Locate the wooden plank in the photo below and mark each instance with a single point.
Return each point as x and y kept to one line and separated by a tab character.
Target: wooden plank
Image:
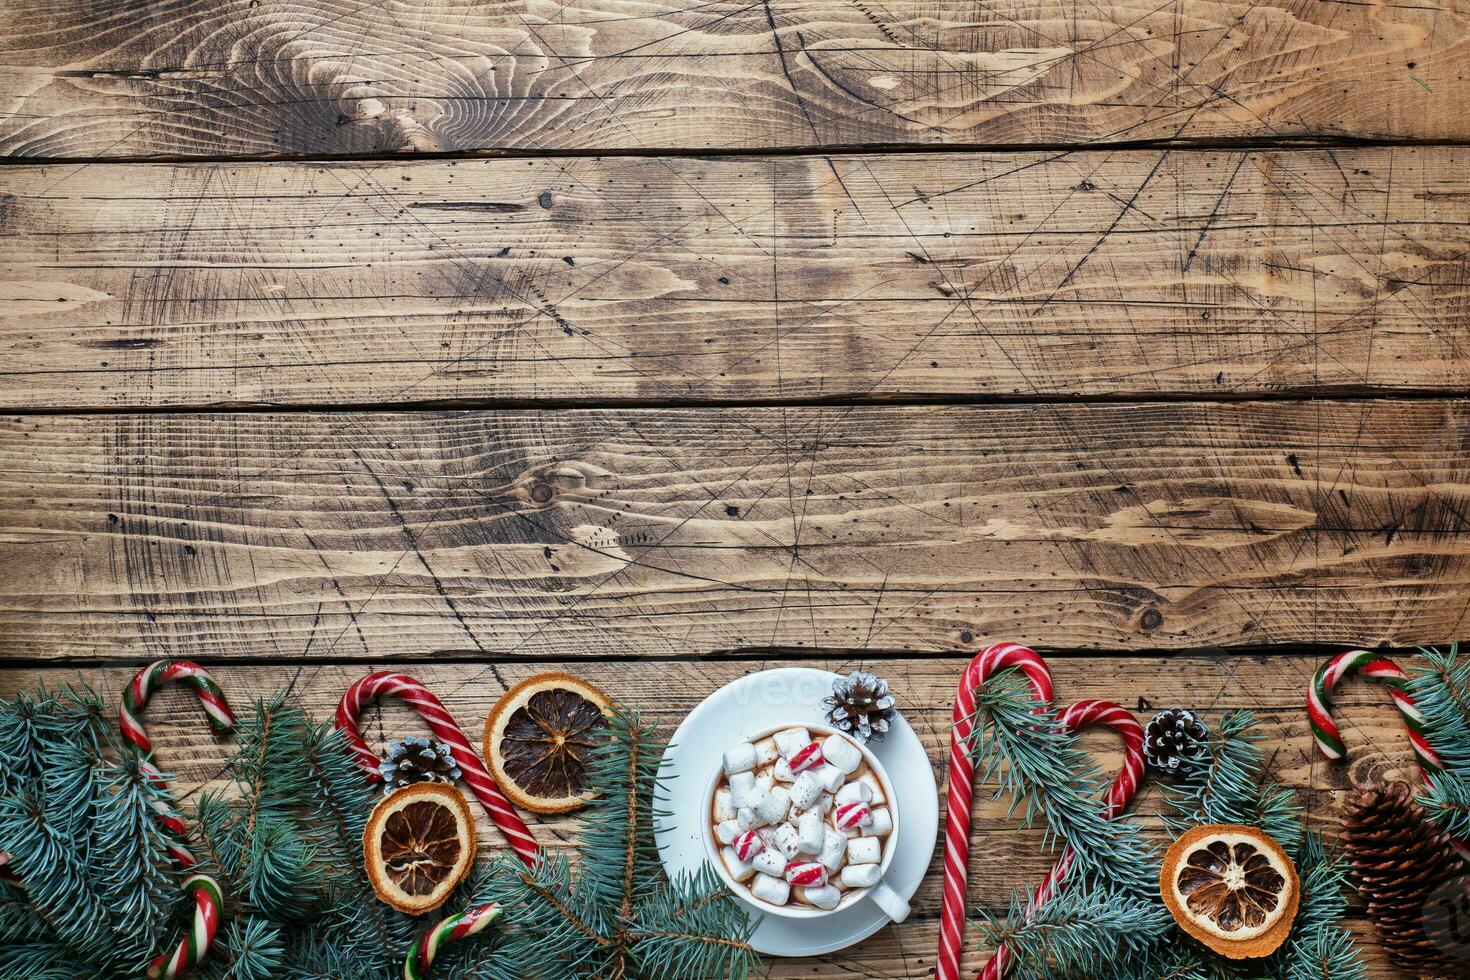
673	532
1007	857
198	78
860	277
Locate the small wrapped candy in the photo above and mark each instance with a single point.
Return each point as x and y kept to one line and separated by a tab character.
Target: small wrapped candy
739	758
862	850
739	870
834	850
851	816
727	830
806	873
806	791
838	751
856	791
770	863
770	889
792	741
748	844
810	832
861	875
882	822
807	757
824	897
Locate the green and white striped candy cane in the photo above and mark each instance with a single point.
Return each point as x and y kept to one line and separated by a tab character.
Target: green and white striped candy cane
1375	667
462	926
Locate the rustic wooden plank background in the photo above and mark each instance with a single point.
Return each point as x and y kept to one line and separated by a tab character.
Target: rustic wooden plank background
1059	274
721	336
238	77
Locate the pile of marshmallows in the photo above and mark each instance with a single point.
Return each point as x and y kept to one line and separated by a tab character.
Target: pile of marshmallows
804	833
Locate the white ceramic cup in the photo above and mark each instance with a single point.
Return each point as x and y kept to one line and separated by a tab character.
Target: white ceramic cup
891	903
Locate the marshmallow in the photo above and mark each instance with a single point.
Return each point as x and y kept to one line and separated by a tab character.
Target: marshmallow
842	753
765	780
806	873
864	850
769	889
747	819
807	757
826	802
739	870
871	781
829	776
823	897
806	791
792	741
861	875
748	844
769	863
739	758
727	830
882	822
767	835
782	771
810	832
772	808
765	752
788	840
834	850
724	805
850	816
742	785
856	791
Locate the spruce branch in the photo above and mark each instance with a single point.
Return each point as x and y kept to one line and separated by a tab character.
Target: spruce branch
1078	932
1020	744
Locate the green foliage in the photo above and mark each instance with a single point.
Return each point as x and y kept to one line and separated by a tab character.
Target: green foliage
618	915
1108	921
1440	685
101	897
74	815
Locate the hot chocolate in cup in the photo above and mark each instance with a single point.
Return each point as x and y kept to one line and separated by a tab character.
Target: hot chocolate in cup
861	808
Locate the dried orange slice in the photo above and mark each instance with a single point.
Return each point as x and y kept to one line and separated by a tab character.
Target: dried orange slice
419	845
1231	887
539	738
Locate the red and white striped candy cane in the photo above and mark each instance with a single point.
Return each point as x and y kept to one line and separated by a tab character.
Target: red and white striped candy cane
208	901
1125	785
444	727
1376	668
962	788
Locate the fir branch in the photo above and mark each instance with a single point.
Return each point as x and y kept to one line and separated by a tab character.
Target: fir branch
1230	788
1020	743
1440	686
1079	932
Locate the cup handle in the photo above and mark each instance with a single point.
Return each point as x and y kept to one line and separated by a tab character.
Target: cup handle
889	901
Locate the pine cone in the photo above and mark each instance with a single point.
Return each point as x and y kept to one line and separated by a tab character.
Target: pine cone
417	760
861	706
1175	739
1401	862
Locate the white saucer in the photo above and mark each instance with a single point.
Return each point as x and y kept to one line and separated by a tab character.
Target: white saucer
774	697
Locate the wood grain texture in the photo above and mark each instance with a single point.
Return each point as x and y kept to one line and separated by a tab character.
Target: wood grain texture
210	78
858	277
1006	856
689	531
